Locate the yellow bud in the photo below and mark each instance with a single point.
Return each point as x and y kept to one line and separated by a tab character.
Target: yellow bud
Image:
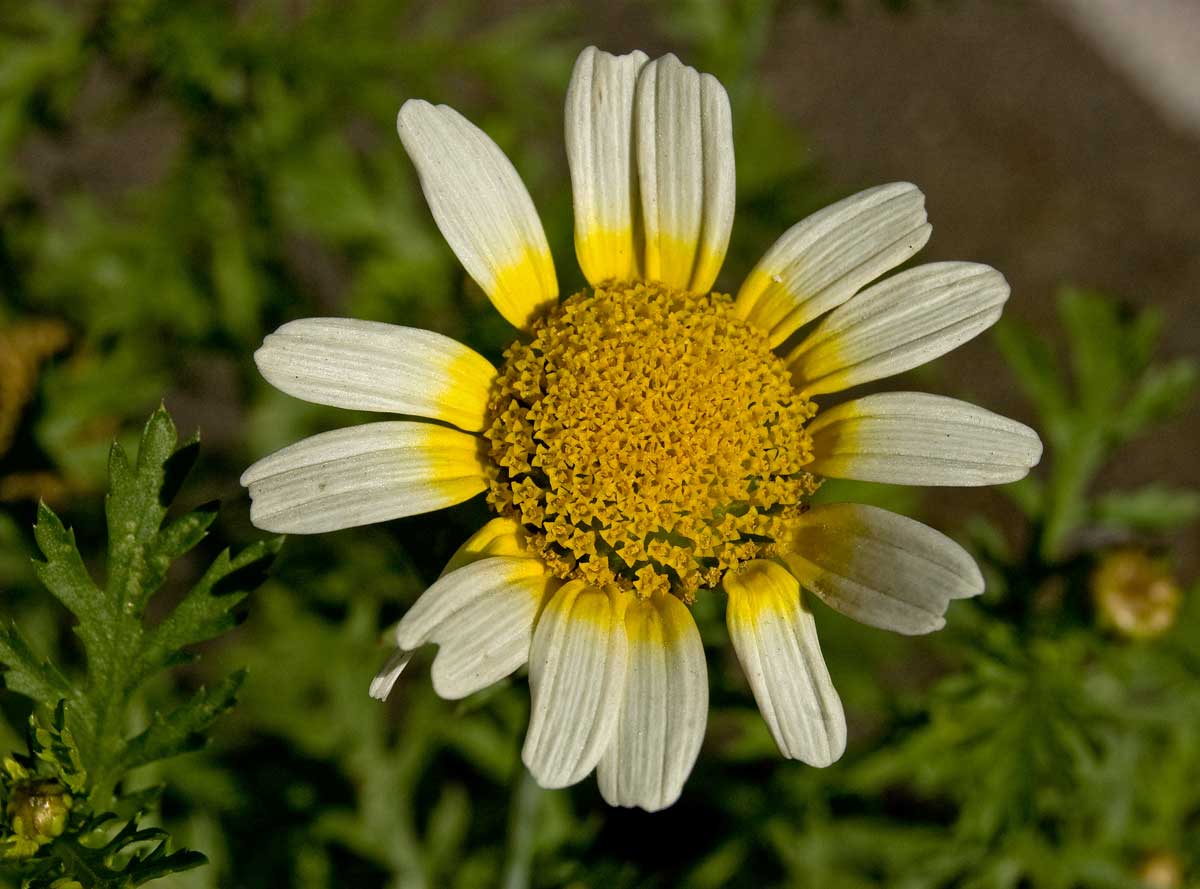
1135	595
1161	870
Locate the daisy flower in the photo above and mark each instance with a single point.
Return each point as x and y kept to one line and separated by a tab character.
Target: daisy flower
647	441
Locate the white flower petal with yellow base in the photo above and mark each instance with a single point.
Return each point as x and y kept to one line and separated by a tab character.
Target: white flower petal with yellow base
684	134
363	474
576	680
482	209
823	260
775	638
499	537
369	366
901	323
481	617
663	711
910	438
599	136
880	568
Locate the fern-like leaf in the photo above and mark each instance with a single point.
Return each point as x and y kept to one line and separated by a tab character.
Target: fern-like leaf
82	752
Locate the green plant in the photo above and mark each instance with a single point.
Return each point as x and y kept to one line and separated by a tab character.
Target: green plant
81	754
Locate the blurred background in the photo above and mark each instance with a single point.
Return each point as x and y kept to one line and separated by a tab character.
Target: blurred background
179	178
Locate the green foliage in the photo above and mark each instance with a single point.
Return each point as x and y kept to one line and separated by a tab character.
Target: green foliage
87	745
1152	508
1113	394
1033	743
177	178
82	847
1046	756
90	863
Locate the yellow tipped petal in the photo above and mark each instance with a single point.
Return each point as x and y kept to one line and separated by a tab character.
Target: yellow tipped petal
363	474
499	537
481	617
898	324
523	287
599	134
776	641
910	438
576	681
482	209
663	710
365	365
880	568
685	168
821	261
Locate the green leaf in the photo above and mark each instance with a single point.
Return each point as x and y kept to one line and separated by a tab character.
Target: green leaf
208	608
182	729
54	744
446	835
1141	337
1163	391
136	505
63	573
183	534
85	745
28	674
1117	395
1155	507
120	863
1032	361
1099	348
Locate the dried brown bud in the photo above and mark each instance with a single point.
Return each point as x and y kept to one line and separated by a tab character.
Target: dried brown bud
38	810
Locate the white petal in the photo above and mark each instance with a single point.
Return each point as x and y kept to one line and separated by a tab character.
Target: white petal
365	365
775	638
385	679
363	474
499	537
684	135
663	711
909	438
458	589
484	642
576	679
599	133
481	617
880	568
899	324
821	261
482	209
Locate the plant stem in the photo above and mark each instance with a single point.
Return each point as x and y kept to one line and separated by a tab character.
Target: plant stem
1074	469
522	831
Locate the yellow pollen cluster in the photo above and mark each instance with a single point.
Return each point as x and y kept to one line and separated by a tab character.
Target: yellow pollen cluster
647	438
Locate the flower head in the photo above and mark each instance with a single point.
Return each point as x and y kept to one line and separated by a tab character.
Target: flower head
647	441
648	438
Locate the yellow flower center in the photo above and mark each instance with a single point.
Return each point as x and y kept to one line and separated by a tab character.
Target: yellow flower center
648	438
